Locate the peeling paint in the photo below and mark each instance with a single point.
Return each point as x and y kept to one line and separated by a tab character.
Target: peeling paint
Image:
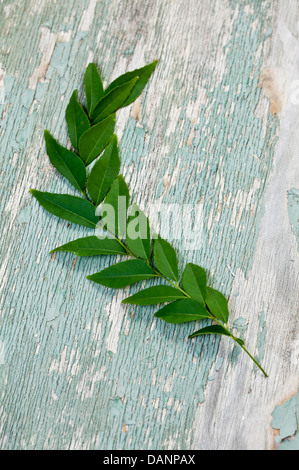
293	209
270	89
286	420
46	45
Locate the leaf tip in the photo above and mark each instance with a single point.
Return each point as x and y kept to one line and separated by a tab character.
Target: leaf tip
91	64
74	94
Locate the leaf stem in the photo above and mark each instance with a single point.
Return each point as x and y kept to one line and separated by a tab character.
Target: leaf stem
176	285
242	346
254	360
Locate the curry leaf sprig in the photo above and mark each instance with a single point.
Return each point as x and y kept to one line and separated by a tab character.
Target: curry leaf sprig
104	202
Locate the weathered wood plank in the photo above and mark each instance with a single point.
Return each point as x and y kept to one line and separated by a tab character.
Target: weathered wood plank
79	369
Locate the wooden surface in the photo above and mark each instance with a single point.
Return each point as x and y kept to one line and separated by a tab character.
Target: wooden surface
217	126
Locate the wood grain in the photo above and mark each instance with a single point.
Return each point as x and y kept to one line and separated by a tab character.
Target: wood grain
216	128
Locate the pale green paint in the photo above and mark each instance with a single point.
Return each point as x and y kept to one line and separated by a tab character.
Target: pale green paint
293	207
240	327
286	419
61	386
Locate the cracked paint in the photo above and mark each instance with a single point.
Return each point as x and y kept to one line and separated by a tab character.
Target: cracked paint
286	421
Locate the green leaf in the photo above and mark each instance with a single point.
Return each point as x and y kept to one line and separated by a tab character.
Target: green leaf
217	304
143	75
182	311
114	209
138	236
104	172
93	87
239	341
112	101
77	121
211	330
123	274
92	246
71	208
194	282
154	295
166	259
95	139
66	162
